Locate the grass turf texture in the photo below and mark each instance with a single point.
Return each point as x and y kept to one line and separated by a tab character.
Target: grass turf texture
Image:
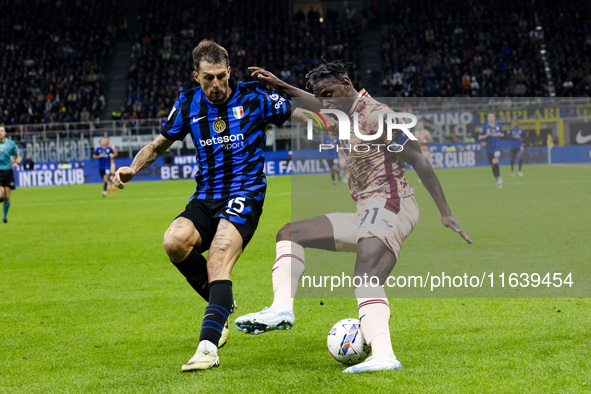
89	301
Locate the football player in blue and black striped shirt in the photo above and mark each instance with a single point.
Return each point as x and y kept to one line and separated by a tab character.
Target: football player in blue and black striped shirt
105	154
227	122
516	135
492	133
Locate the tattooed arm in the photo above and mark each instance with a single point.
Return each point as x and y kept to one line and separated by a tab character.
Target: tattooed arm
143	159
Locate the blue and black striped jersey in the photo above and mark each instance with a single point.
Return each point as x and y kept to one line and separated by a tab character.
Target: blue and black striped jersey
332	154
493	143
105	161
229	138
515	135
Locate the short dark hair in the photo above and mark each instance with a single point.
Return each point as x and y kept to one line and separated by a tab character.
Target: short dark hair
335	69
210	52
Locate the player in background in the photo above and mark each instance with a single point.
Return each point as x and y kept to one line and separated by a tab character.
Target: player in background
492	133
332	158
9	159
516	136
104	154
378	185
227	121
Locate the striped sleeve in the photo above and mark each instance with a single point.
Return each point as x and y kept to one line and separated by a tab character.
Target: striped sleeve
275	109
172	128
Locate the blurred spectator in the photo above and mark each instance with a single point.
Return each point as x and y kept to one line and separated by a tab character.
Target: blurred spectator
498	45
54	54
53	57
28	164
263	35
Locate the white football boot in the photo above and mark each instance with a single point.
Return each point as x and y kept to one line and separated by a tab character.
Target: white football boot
205	357
269	319
378	362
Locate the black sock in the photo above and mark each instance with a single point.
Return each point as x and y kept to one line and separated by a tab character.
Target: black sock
520	164
496	172
105	186
194	268
512	161
218	310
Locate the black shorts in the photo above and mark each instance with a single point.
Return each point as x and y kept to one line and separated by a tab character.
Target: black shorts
516	151
242	212
493	155
105	172
7	179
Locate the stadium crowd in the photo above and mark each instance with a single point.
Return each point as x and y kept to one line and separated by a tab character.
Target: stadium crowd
466	49
53	59
54	55
262	35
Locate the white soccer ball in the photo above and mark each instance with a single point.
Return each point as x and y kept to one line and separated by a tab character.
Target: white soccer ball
346	343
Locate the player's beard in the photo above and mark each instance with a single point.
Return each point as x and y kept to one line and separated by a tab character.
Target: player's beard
218	96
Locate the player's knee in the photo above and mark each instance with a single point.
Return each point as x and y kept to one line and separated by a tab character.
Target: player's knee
294	232
175	246
284	234
374	259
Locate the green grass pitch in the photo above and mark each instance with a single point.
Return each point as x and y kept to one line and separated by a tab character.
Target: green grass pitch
90	303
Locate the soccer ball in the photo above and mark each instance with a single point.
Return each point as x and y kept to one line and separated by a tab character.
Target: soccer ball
346	343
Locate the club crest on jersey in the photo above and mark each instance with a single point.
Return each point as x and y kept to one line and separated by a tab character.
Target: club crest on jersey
219	126
238	112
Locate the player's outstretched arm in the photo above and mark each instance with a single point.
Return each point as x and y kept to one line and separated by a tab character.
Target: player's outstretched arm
277	84
310	101
413	156
143	159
